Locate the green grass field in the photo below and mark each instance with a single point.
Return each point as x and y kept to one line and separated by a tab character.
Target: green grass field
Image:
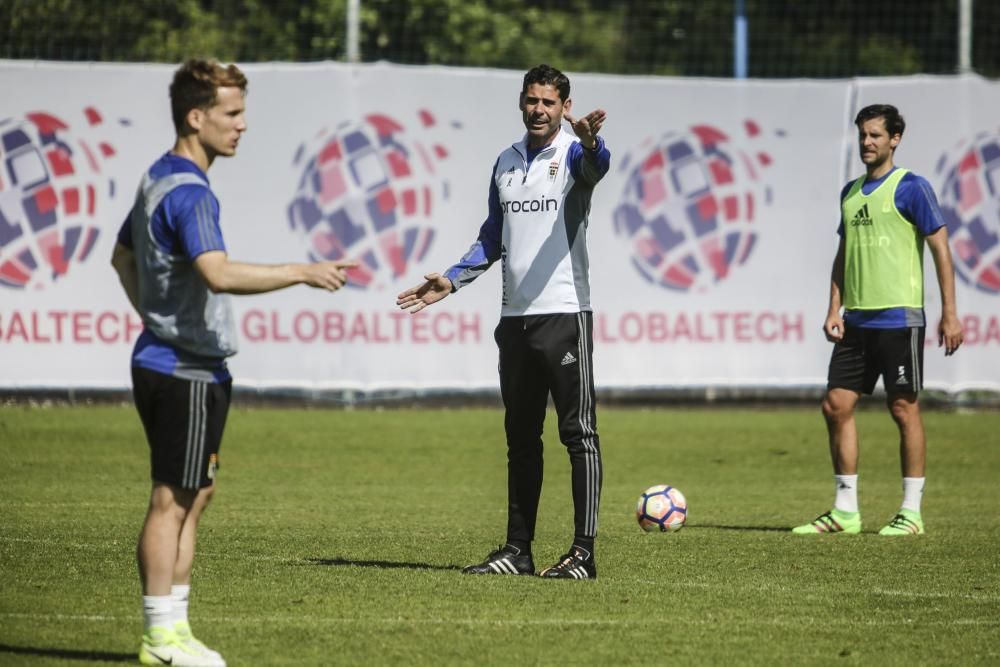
336	538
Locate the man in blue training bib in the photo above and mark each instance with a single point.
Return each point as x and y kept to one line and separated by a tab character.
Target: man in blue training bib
886	217
173	265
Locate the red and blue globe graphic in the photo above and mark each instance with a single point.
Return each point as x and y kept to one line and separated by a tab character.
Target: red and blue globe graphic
970	202
691	202
52	187
367	192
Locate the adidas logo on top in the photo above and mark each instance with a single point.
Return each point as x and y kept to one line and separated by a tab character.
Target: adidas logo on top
568	359
861	218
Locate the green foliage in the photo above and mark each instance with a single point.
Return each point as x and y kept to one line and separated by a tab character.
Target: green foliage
672	37
188	29
511	34
881	57
156	31
336	537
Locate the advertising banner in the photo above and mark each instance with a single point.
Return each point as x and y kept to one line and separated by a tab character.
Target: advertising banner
711	238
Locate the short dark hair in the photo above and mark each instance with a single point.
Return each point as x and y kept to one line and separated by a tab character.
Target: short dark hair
894	122
547	76
196	84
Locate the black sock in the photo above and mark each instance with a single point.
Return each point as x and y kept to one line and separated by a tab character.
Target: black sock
585	543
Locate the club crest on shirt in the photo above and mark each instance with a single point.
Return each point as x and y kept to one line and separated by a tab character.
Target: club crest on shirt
553	170
510	177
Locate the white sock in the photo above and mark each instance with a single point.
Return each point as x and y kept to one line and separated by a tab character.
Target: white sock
179	594
847	493
156	611
913	493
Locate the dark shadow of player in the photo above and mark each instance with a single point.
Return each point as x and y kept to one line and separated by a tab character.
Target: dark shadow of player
381	564
69	654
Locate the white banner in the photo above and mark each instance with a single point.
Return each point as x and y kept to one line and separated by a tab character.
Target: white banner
711	238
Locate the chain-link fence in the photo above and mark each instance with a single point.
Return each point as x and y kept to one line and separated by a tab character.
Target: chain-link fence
808	38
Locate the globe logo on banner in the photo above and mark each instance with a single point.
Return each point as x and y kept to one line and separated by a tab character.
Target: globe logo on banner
367	193
970	202
51	192
690	203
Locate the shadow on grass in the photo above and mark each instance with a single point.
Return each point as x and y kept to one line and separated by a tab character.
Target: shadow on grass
381	564
68	654
767	529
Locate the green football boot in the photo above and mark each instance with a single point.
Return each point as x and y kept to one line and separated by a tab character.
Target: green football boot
907	522
162	646
833	521
183	631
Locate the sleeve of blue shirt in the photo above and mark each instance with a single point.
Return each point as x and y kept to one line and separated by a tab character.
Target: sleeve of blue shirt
486	250
193	214
186	222
589	166
916	201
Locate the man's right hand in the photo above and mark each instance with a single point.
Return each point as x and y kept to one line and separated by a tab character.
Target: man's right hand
415	299
834	328
329	275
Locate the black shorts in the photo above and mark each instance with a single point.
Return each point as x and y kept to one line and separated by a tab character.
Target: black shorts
184	420
864	354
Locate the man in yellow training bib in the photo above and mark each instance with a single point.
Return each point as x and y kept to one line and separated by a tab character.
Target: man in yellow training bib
877	277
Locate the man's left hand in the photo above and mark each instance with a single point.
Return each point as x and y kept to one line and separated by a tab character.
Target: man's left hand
949	334
587	127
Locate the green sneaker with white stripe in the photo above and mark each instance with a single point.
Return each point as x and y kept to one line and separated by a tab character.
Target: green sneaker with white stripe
162	646
834	521
907	522
183	631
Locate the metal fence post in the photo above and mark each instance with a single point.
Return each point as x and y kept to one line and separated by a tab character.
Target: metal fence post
353	31
964	36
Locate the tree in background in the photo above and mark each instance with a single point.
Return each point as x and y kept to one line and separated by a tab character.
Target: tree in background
839	38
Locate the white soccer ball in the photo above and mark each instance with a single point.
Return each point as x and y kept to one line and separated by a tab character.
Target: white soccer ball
662	508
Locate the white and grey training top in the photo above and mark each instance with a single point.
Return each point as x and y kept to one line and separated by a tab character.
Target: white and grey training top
539	207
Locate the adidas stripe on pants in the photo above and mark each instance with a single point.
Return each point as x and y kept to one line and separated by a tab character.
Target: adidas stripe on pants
542	355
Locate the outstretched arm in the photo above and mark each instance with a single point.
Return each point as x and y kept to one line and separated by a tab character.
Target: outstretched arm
477	260
223	275
435	288
589	159
587	127
950	328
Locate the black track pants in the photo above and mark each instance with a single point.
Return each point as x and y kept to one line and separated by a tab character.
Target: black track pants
539	355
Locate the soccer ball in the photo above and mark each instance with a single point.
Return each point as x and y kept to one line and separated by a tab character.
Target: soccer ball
662	508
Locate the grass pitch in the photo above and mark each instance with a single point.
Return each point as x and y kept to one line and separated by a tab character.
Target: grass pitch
336	538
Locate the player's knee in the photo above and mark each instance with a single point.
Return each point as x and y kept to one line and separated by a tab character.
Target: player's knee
171	498
834	410
903	408
204	495
525	452
838	405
